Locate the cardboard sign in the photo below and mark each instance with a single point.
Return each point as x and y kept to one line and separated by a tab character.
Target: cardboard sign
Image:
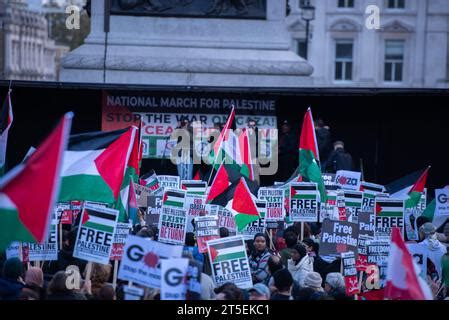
366	233
96	234
370	190
348	180
304	202
341	206
328	179
206	229
63	212
225	218
133	293
442	202
275	203
173	276
350	273
257	226
172	225
154	207
121	233
389	214
419	254
362	252
229	262
194	186
170	182
366	224
338	237
46	251
353	204
141	260
378	251
195	205
329	209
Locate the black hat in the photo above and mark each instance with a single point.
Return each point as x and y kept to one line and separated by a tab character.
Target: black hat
283	279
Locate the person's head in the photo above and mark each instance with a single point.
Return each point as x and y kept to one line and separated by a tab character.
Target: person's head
260	242
228	291
319	123
274	264
298	252
185	124
283	280
58	283
190	239
145	232
285	127
34	277
334	281
291	239
421	220
224	232
259	292
100	274
313	280
106	292
427	230
311	245
13	269
339	145
252	123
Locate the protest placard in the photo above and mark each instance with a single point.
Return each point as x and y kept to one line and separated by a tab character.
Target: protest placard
63	212
329	209
275	203
173	198
95	234
389	214
173	275
442	202
353	204
14	250
338	237
229	262
362	253
154	207
133	293
257	226
172	225
419	254
206	229
350	273
370	190
329	179
141	260
225	218
195	206
170	182
121	233
348	180
194	186
366	224
378	251
46	251
304	202
341	206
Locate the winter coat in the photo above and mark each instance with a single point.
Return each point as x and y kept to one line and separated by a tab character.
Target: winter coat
10	289
435	251
339	160
300	270
258	264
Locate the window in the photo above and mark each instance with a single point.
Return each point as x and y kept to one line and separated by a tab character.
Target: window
394	60
301	47
343	60
346	3
396	4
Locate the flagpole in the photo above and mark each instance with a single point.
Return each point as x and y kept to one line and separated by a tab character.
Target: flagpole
114	279
302	230
60	236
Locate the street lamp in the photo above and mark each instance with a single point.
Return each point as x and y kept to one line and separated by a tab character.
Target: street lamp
307	14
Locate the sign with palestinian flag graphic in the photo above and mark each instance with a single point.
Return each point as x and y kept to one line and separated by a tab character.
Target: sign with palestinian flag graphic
370	190
172	225
195	206
173	198
229	262
95	234
257	226
194	186
141	261
389	214
353	203
304	201
275	203
329	209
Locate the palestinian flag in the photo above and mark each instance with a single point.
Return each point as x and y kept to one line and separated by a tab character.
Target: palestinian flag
94	165
353	199
389	207
132	208
223	178
229	250
197	176
303	190
331	198
194	187
29	191
150	180
261	207
308	155
371	189
173	198
247	168
6	118
417	190
101	220
242	206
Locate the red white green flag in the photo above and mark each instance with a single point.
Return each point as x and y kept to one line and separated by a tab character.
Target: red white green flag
417	190
6	118
308	155
29	191
242	206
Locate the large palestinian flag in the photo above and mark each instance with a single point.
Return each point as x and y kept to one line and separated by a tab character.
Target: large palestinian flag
225	175
417	190
308	155
28	192
6	118
94	165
